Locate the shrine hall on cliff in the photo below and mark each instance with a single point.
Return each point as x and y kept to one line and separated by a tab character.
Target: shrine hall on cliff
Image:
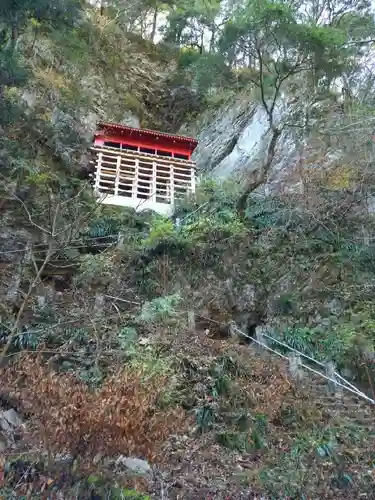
141	168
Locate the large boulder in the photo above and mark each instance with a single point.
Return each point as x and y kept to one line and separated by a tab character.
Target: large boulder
133	464
10	423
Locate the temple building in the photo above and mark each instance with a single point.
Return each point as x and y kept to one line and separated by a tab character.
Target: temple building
141	168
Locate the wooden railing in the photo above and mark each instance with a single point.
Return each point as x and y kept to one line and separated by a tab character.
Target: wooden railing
141	176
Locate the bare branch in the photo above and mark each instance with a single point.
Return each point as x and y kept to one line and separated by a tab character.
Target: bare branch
14	196
25	302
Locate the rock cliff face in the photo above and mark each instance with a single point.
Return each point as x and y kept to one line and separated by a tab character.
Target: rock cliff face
236	139
233	140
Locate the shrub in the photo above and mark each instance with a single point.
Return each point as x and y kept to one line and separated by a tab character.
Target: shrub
119	418
161	229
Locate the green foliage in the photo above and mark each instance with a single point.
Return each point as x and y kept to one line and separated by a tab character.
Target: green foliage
127	338
210	71
235	441
188	56
224	224
357	254
95	269
213	217
270	213
99	486
159	309
286	479
29	339
318	343
344	338
14	17
222	372
103	227
250	434
205	417
151	364
281	43
92	375
161	230
62	13
132	495
13	72
298	257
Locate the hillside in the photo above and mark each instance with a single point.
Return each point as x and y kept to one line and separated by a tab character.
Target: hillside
128	364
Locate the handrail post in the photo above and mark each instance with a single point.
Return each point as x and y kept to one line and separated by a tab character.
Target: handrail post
232	328
191	321
295	368
332	386
262	340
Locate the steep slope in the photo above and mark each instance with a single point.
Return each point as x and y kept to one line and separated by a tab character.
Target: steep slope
257	432
94	72
102	368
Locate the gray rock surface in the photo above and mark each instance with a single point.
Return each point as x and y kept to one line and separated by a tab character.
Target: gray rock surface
134	464
131	120
236	139
10	421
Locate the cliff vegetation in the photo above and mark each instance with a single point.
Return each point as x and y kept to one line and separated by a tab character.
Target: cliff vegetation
128	364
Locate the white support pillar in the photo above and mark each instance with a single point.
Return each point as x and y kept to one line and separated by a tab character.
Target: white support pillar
98	171
153	183
117	178
192	185
135	180
171	184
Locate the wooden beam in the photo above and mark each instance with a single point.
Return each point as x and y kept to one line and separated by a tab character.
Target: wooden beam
143	156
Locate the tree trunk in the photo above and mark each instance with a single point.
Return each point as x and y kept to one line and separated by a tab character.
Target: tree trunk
154	24
179	31
250	62
212	40
14	35
257	178
231	56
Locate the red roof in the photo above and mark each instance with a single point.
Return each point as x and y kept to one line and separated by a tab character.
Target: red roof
126	130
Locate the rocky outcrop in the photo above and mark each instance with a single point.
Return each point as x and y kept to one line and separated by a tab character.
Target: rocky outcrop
133	464
10	422
236	139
